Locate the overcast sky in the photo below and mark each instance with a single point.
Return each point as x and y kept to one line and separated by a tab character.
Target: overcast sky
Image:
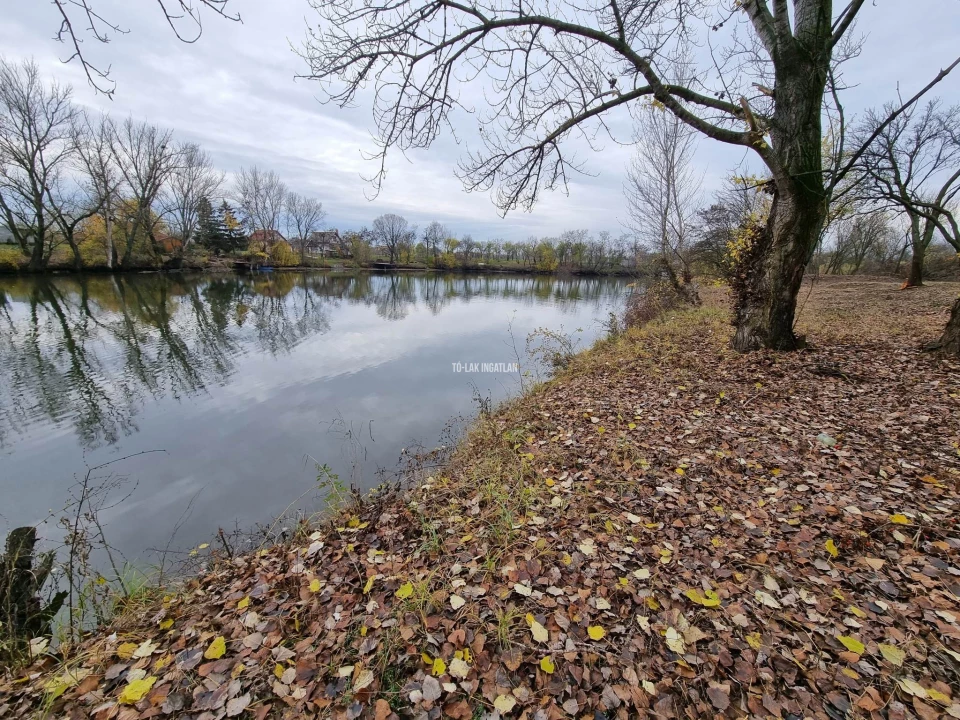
234	93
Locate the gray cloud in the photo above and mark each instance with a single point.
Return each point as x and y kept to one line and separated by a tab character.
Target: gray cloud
234	92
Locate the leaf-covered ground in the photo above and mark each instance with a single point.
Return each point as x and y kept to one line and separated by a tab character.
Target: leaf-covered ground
667	530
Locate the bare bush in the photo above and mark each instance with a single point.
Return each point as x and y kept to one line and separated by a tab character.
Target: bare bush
644	305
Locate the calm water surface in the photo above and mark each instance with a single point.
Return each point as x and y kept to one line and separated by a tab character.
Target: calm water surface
244	381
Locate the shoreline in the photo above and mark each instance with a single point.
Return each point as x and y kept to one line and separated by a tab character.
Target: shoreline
664	528
223	269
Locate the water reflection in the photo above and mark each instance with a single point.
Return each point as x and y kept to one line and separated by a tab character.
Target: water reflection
89	352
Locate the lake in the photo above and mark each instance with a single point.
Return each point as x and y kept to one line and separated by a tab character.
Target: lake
246	383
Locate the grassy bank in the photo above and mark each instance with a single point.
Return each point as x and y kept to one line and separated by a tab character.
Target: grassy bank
666	529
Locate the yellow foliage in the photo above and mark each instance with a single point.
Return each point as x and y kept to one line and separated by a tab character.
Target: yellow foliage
282	255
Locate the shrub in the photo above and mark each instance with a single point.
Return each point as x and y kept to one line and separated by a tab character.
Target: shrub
282	255
11	258
644	305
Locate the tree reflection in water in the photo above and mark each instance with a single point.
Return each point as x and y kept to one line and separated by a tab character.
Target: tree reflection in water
88	351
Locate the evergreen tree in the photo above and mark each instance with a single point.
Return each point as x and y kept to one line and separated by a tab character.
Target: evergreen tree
219	229
234	238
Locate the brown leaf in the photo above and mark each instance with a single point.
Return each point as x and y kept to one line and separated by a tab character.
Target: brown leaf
382	710
720	697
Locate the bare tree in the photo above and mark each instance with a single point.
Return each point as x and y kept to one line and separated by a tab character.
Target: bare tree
663	193
80	19
261	195
913	166
75	199
304	217
433	236
193	179
393	233
557	69
147	158
36	149
94	142
856	237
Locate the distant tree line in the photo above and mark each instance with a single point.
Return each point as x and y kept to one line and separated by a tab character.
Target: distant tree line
127	194
394	240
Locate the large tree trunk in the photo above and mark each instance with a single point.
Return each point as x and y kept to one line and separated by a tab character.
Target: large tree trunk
37	259
915	277
109	217
75	249
770	275
772	272
949	342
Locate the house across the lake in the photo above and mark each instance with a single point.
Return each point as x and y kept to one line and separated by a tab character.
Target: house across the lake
265	239
324	243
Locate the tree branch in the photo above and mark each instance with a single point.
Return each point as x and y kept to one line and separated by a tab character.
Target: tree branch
890	118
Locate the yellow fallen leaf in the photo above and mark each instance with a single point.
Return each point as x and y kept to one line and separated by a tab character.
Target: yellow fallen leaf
145	649
136	690
711	599
538	631
364	679
939	697
857	611
831	548
369	584
504	703
892	654
675	641
244	604
899	519
125	651
912	687
754	640
314	585
852	644
459	668
546	664
596	632
217	648
405	591
166	624
439	667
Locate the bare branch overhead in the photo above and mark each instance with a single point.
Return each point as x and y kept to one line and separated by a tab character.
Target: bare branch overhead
79	20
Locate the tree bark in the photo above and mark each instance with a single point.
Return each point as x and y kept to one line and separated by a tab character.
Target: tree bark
949	342
772	270
109	217
915	277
